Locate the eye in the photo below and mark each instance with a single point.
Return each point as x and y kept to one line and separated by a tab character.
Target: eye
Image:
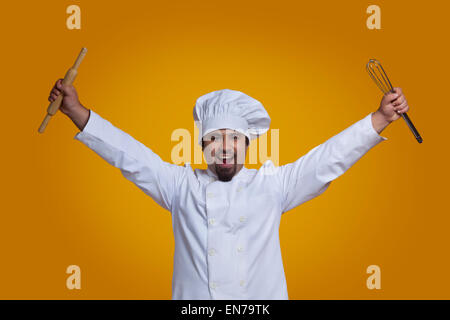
212	137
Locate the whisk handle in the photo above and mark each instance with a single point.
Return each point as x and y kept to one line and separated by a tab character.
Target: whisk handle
412	128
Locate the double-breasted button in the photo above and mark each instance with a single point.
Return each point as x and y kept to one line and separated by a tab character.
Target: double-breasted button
240	249
211	252
210	195
213	285
239	189
212	221
242	218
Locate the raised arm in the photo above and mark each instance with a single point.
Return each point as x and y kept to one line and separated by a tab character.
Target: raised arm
311	175
139	164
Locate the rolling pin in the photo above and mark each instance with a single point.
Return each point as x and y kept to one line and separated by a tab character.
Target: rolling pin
68	80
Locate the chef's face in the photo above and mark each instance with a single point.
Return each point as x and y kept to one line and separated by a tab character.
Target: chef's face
225	151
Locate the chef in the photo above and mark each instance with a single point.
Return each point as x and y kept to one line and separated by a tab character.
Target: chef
226	217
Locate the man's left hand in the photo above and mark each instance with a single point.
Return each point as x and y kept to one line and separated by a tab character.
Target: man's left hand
393	105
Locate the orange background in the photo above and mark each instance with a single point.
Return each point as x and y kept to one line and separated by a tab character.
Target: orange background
147	63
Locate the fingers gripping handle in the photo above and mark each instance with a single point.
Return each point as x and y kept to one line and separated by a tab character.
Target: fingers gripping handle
68	80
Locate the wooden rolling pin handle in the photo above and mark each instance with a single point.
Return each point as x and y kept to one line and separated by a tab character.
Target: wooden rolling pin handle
68	80
44	123
79	58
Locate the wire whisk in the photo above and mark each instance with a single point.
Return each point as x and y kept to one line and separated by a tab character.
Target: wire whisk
381	79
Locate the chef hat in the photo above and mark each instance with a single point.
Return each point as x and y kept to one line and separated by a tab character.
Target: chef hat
230	109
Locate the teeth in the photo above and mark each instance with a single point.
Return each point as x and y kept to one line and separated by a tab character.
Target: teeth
225	160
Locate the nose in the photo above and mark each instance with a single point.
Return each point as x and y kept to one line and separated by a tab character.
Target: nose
225	144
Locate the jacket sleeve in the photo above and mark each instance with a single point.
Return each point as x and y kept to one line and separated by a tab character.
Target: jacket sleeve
137	163
311	175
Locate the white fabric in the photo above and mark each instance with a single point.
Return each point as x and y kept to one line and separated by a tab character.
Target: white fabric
226	233
230	109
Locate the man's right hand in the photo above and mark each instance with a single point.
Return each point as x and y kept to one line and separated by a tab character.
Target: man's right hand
70	105
70	98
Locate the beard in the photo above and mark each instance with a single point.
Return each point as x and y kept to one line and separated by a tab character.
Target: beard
226	174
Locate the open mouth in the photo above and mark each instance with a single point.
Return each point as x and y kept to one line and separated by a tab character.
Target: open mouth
227	162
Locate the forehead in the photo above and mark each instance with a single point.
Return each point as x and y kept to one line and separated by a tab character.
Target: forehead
224	131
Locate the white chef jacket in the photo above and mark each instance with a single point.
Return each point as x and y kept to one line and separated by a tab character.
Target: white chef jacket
226	233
